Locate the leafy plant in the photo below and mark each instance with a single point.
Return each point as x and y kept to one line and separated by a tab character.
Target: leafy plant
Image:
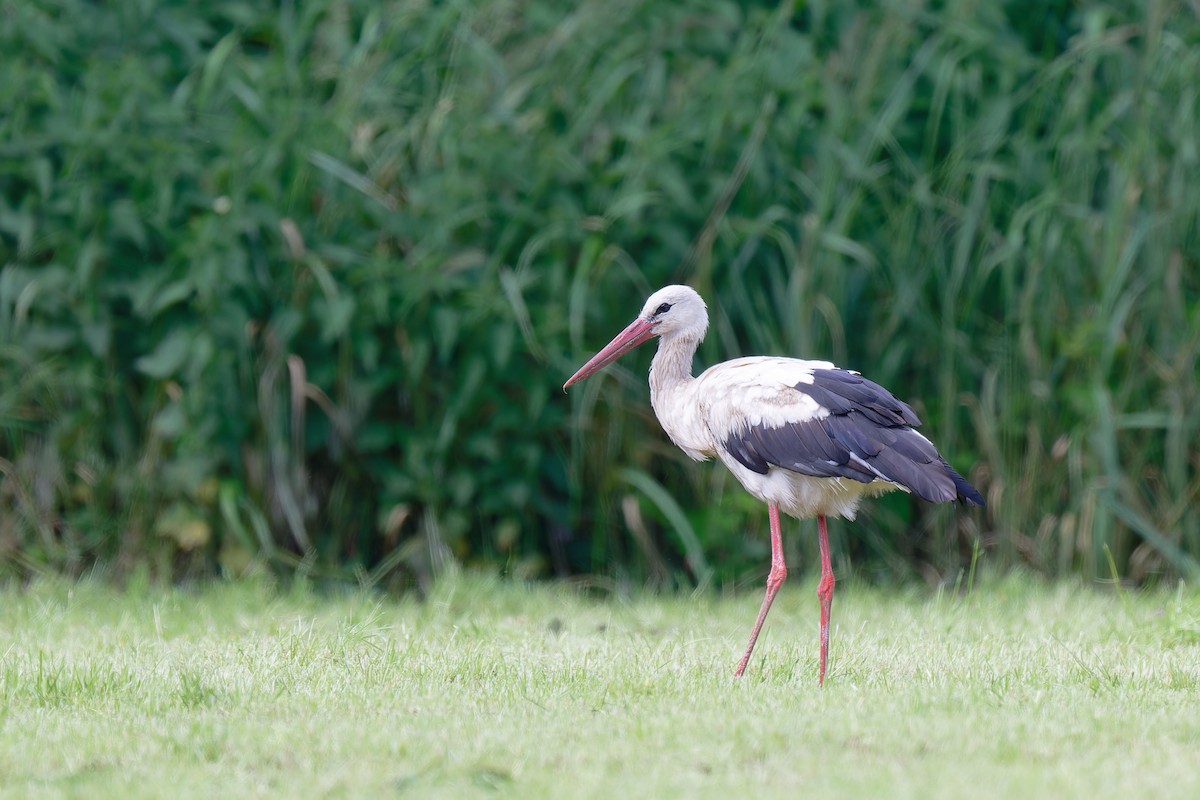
299	286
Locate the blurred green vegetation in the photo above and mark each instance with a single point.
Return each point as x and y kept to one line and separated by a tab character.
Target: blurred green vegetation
297	285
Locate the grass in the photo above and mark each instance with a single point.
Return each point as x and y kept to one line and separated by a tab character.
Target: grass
501	690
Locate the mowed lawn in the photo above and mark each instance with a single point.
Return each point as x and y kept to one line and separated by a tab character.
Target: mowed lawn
489	689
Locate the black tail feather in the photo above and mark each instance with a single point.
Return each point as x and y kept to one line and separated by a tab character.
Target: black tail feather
967	494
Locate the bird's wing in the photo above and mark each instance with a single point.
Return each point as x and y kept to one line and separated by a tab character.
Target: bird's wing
812	418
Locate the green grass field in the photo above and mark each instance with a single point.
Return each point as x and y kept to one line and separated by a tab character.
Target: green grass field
491	689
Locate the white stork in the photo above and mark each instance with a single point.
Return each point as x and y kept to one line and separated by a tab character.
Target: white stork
804	437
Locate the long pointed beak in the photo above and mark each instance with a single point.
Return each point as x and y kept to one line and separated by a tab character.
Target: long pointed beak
637	332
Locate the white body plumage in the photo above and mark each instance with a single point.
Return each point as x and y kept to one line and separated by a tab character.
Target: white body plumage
700	414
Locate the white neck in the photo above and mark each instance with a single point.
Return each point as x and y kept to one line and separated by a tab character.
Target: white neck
676	409
671	368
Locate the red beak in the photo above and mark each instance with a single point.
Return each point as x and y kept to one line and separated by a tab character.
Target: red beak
637	332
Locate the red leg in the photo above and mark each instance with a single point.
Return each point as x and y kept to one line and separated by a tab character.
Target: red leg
774	580
825	593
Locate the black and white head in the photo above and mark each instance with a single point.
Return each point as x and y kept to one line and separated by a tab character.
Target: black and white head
672	312
676	311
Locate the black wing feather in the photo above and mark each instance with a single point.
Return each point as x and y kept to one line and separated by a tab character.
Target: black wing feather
867	435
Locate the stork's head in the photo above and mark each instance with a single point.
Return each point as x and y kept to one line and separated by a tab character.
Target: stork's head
671	312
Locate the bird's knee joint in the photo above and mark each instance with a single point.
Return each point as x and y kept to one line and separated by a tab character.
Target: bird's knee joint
776	577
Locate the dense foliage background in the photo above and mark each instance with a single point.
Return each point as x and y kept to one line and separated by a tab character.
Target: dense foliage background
298	285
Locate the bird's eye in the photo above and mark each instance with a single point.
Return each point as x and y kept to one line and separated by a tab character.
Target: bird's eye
664	308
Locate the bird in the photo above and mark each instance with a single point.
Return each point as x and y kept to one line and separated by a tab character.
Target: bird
805	437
